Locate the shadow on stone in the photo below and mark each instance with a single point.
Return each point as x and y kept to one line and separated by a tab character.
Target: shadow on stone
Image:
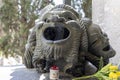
24	74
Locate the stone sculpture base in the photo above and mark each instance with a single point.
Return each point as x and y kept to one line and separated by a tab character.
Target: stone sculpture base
62	76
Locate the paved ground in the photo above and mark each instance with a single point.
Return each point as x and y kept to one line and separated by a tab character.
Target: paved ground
21	73
17	73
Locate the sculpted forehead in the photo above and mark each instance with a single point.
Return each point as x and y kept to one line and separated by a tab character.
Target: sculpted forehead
68	15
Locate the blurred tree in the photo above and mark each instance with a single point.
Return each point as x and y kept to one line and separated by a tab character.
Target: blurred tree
18	17
83	6
87	8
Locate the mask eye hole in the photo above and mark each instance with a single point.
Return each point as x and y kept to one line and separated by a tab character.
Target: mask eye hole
69	18
45	20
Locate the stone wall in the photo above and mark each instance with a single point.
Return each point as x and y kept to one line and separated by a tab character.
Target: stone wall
106	13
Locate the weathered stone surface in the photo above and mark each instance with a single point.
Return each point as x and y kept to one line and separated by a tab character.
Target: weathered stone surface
62	76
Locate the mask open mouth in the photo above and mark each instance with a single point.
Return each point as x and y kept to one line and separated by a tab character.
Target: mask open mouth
107	48
56	33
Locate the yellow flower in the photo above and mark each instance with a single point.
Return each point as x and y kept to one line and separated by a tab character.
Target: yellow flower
113	75
118	73
113	67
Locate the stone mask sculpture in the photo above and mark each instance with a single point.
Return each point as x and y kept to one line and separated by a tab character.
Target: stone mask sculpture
61	37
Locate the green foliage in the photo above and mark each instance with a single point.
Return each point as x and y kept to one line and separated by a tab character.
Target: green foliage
18	16
101	63
108	72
